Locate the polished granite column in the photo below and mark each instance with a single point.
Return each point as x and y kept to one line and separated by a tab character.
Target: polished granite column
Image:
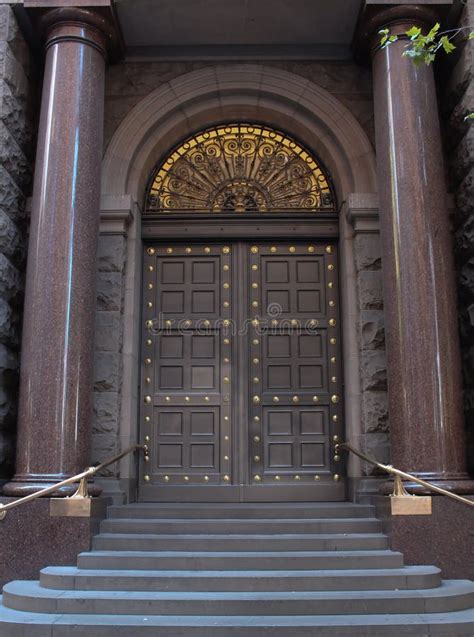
55	409
423	358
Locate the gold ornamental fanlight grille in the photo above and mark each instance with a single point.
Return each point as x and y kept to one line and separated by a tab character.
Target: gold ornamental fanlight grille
240	168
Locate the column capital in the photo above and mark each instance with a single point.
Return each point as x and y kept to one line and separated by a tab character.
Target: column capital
399	18
74	24
92	23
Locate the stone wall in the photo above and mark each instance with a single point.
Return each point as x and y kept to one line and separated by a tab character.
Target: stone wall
16	155
362	213
108	349
373	364
457	80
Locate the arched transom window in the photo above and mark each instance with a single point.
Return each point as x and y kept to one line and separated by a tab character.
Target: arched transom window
238	168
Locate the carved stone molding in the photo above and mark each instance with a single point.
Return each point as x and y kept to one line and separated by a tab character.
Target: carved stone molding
215	94
116	214
363	213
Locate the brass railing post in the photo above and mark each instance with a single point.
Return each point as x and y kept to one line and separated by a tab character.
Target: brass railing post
403	475
81	492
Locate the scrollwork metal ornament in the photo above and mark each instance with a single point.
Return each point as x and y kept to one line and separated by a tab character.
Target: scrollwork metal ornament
240	168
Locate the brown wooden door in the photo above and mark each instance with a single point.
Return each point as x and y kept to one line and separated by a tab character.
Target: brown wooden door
241	374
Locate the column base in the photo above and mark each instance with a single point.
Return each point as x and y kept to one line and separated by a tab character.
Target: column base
462	484
22	485
32	538
443	538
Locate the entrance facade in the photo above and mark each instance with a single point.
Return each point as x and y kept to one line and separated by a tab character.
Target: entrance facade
200	151
241	374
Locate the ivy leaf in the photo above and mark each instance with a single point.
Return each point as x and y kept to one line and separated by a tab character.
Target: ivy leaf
384	39
413	33
446	44
432	34
423	48
429	58
469	115
387	38
413	54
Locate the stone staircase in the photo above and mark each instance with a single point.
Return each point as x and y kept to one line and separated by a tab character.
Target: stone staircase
239	570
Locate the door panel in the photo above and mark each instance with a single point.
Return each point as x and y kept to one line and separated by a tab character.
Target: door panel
187	368
241	373
294	371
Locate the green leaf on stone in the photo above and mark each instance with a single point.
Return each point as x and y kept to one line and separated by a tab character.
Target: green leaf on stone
469	115
471	36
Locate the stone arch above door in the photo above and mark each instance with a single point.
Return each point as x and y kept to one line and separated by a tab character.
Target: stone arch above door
195	101
238	92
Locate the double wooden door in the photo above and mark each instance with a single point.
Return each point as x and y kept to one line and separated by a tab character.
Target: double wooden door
241	372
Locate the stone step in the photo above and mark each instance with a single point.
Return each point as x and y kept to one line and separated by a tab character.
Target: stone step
237	526
283	542
408	577
239	560
30	596
262	510
22	624
232	570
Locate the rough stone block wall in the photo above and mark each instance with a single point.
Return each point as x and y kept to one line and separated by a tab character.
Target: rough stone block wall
108	350
457	101
17	81
373	365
